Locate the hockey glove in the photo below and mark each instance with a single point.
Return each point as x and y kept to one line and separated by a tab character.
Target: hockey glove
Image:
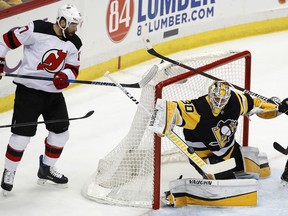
2	64
283	106
60	80
165	117
264	109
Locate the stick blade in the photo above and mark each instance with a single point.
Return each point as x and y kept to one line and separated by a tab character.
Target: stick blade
220	167
89	114
150	75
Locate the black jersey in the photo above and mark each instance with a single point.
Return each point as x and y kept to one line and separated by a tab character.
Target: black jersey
203	130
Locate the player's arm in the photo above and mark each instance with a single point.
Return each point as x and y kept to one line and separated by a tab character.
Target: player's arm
72	65
12	40
261	108
167	114
268	110
164	117
72	61
265	109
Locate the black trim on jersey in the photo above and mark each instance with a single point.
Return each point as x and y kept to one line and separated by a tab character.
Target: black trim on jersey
74	70
11	40
76	41
44	27
250	102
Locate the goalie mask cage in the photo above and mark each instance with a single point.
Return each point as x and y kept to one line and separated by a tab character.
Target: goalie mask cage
130	174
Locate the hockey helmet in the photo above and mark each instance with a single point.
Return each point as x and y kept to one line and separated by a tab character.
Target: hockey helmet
219	94
70	13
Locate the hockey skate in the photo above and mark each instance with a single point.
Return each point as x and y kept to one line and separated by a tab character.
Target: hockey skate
7	181
48	176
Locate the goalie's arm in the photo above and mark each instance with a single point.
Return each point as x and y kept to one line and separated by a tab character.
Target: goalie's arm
167	114
268	110
164	117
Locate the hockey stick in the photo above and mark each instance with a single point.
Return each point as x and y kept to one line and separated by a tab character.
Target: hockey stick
173	137
280	148
152	72
48	122
153	52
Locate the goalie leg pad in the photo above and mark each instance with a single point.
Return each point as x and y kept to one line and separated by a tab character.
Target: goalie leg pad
233	192
255	162
264	165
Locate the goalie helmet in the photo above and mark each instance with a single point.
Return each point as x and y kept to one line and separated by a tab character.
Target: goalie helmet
219	94
71	15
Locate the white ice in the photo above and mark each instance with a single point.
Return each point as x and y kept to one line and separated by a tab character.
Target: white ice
91	139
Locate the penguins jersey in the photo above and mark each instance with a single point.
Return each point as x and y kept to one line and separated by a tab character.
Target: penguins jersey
44	54
204	131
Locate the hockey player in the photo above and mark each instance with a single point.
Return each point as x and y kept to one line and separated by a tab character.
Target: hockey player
210	122
50	50
209	126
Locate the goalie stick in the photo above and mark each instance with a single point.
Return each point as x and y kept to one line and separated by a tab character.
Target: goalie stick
88	114
280	148
173	137
152	72
153	52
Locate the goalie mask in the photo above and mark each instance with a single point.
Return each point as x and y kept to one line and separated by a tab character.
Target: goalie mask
219	94
71	15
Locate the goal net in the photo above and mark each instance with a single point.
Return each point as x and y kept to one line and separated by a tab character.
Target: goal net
130	174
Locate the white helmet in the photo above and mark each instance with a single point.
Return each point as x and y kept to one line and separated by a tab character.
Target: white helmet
70	13
219	94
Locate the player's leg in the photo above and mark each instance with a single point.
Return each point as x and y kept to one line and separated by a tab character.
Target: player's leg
54	143
27	108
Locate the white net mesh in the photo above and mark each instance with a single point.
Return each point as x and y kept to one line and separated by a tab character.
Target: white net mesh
126	175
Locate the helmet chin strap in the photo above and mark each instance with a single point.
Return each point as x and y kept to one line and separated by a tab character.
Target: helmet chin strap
63	29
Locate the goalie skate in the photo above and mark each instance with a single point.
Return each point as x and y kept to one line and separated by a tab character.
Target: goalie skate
48	176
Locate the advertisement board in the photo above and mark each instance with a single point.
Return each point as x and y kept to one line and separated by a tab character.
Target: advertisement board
112	32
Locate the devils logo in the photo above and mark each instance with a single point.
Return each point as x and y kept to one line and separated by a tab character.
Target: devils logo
53	61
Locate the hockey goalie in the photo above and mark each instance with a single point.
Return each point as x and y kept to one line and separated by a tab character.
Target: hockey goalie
209	124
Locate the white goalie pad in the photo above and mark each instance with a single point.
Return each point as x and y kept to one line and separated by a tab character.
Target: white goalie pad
232	192
255	162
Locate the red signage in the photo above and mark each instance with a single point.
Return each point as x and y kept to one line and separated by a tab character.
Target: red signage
119	18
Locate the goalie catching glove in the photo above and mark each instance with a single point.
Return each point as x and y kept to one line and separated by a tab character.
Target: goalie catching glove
164	118
268	110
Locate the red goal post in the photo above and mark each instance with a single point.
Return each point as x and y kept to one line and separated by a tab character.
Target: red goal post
130	174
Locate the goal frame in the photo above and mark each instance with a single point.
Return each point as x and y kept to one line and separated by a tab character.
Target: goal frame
158	94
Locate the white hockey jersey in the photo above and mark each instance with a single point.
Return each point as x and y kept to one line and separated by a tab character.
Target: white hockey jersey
44	54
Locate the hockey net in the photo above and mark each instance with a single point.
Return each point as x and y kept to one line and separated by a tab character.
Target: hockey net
130	174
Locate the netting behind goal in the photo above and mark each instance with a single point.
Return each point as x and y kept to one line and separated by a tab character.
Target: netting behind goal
130	174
